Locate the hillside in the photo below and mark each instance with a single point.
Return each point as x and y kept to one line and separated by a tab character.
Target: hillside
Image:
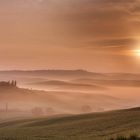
126	82
97	126
60	102
65	85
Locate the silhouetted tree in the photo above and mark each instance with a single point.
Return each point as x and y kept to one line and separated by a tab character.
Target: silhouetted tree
86	109
37	111
132	137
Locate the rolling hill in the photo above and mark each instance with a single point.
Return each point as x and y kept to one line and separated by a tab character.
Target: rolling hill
59	102
97	126
110	82
65	85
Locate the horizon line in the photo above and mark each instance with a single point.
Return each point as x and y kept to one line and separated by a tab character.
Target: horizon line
84	70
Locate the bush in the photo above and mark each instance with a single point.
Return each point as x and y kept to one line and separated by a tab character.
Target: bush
132	137
37	111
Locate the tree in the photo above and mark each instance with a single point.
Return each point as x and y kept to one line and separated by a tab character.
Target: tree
86	109
37	111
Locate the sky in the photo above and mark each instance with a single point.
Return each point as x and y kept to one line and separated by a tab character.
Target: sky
95	35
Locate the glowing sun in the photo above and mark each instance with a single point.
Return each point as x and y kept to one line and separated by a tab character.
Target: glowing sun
137	52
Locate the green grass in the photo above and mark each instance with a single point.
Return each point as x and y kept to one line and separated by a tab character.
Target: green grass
97	126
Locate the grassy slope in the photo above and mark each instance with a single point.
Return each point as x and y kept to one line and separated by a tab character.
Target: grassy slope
98	126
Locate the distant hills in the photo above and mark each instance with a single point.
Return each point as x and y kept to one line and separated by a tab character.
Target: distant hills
73	74
66	85
70	77
71	91
50	73
124	82
61	102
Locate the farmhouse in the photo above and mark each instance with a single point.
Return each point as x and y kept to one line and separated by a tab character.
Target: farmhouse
12	83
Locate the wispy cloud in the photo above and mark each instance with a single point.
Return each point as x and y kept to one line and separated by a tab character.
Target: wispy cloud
62	31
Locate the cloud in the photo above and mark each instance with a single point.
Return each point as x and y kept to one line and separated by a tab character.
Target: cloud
71	23
114	43
105	23
68	33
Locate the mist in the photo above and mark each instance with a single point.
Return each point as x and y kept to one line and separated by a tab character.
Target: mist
62	92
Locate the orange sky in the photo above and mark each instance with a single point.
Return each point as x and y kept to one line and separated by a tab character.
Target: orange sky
96	35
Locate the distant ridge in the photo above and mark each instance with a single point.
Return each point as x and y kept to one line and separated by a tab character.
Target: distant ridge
50	72
47	71
80	71
74	74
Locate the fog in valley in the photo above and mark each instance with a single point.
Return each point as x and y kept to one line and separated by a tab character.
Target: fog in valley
62	92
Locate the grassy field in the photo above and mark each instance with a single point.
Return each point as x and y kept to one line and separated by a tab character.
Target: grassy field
97	126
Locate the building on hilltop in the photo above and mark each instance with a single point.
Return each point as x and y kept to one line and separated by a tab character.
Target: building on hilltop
12	83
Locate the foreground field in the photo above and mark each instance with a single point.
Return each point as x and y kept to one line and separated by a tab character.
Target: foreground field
98	126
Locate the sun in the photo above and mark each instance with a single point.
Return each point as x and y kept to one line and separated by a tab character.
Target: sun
137	52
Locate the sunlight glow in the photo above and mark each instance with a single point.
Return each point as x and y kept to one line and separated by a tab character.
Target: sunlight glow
137	52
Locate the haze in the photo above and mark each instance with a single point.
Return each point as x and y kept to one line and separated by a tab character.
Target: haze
59	51
96	35
69	69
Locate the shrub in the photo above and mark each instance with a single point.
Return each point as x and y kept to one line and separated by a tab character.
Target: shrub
132	137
